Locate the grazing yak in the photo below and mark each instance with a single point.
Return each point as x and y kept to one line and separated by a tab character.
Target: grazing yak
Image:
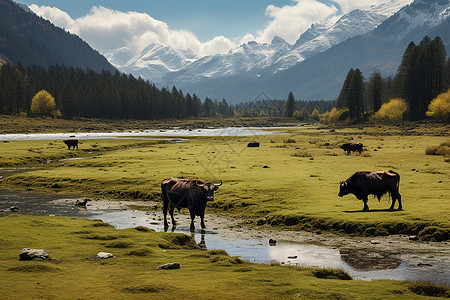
71	143
192	194
352	147
363	184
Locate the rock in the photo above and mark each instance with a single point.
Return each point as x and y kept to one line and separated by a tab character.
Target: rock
14	208
413	238
266	167
168	266
272	242
374	242
82	202
104	255
30	189
292	257
29	254
311	158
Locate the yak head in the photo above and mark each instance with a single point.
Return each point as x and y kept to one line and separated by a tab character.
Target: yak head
344	189
208	188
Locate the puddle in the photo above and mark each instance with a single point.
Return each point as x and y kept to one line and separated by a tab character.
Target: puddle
361	264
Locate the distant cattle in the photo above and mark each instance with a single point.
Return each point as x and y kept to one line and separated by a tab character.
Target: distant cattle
352	147
192	194
253	144
71	143
363	184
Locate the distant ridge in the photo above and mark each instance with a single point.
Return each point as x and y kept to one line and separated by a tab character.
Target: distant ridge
31	40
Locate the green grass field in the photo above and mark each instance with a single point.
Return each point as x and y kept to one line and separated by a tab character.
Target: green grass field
74	273
298	188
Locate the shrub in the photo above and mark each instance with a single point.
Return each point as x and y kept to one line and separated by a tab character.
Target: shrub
331	274
443	149
337	115
393	110
439	107
429	289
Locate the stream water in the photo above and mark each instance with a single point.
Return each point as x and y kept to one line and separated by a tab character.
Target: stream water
361	264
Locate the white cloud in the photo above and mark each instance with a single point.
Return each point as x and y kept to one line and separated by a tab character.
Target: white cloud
349	5
106	29
290	21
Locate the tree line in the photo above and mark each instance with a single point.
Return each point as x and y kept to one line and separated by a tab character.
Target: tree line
79	93
423	74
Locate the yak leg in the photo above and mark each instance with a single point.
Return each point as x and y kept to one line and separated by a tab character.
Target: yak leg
202	220
165	206
395	195
366	207
171	209
192	220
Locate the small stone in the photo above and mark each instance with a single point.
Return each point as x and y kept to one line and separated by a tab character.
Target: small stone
272	242
168	266
104	255
413	238
292	257
374	242
266	167
30	254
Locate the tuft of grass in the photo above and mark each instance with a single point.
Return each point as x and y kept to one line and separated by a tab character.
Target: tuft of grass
443	149
119	244
140	252
331	274
429	289
147	288
33	269
142	229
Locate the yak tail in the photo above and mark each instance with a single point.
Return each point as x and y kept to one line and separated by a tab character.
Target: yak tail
398	175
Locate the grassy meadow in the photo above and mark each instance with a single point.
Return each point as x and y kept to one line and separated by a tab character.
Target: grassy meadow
73	272
290	181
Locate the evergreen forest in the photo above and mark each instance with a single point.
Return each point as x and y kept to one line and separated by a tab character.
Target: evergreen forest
423	74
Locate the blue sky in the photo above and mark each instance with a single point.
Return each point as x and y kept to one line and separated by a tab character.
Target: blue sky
204	26
205	18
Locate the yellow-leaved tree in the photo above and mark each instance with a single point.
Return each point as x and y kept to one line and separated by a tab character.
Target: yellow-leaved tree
43	104
393	110
439	107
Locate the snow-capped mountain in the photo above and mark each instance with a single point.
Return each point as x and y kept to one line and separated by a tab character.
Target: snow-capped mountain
320	37
246	57
254	56
164	65
153	62
322	75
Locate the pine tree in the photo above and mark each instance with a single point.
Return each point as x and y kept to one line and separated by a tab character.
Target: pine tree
289	106
375	90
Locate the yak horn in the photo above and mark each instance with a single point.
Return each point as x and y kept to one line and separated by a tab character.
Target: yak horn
199	184
219	183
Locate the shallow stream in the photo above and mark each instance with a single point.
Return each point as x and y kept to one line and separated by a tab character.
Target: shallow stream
361	263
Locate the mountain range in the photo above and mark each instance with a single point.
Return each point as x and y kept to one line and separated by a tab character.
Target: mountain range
252	59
